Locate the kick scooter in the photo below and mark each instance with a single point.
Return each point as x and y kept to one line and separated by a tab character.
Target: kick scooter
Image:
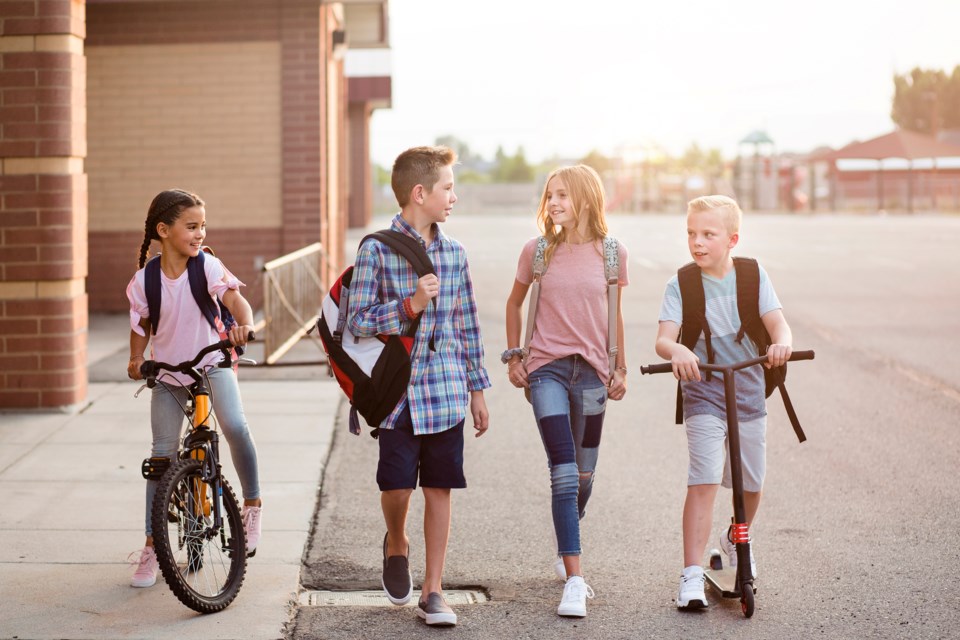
732	583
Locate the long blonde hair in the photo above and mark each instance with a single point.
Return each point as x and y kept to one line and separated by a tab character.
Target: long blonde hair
585	188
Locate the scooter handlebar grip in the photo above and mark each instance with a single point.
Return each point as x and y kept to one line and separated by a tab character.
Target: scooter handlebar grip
802	355
665	367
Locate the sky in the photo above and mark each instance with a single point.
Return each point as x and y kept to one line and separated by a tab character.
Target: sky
562	78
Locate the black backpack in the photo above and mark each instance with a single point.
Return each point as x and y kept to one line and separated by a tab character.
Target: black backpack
197	276
372	371
748	306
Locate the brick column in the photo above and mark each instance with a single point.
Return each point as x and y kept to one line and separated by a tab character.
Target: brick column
303	162
43	217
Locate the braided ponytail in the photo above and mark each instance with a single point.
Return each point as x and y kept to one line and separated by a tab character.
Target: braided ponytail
166	208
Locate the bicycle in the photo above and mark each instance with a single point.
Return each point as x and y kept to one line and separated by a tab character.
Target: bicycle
195	517
728	583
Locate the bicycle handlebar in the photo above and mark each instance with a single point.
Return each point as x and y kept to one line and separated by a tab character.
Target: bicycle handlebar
667	367
150	368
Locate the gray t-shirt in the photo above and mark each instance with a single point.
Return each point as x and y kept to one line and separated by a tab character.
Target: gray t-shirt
721	299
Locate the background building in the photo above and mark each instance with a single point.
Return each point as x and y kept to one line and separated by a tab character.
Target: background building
106	102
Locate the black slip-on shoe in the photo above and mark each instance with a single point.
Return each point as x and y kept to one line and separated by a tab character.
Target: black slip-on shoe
435	611
396	580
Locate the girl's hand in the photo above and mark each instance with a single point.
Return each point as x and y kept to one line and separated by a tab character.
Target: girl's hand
238	334
133	368
617	387
517	373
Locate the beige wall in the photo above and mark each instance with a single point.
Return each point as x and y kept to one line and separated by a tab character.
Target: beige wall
214	130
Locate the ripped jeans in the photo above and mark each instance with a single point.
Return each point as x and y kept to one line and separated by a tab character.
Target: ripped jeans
569	401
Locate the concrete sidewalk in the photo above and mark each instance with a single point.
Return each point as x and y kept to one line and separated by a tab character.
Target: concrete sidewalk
73	498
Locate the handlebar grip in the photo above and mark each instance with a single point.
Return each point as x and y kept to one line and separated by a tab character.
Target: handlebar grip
802	355
664	367
149	372
251	336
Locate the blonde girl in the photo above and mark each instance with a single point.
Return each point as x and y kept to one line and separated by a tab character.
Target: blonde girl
566	369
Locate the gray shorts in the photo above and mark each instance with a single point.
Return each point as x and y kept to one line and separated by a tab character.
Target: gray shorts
707	445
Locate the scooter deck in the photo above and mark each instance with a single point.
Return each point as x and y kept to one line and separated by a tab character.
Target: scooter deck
724	581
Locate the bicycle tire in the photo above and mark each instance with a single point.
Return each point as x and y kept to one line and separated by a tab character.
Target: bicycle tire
204	568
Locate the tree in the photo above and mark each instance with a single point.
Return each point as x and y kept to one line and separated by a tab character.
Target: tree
597	161
512	168
462	149
927	100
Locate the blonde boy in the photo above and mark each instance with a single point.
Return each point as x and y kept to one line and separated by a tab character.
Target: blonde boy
713	230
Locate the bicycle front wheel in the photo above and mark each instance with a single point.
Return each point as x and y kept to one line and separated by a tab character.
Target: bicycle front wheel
204	565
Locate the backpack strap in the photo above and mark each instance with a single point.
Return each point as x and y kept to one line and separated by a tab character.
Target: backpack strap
748	307
414	253
611	269
151	285
197	277
198	287
539	268
694	320
748	303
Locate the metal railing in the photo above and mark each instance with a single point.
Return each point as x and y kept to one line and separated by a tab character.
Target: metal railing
292	294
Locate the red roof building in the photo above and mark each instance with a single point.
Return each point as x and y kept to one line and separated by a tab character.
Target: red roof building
899	170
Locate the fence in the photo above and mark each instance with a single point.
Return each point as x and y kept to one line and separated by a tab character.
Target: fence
292	294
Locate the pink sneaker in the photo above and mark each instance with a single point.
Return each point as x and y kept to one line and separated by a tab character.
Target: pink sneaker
251	528
147	567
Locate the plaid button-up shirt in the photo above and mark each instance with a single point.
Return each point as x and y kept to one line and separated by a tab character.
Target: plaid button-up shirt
439	380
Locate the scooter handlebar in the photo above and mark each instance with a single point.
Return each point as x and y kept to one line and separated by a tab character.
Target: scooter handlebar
667	367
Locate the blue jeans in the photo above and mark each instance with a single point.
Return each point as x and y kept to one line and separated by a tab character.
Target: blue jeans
166	420
569	401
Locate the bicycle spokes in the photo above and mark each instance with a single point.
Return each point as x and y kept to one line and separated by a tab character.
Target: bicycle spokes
201	552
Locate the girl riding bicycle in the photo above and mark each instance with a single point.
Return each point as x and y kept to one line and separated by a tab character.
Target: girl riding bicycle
177	220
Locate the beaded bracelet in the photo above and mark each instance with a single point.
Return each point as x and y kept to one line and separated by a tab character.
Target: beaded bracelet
408	308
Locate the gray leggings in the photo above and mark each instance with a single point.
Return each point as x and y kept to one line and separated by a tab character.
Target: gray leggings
166	420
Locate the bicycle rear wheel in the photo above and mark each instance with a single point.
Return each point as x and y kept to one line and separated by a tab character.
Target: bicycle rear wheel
204	566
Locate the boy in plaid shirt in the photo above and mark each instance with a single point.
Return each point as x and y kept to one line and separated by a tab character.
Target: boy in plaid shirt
423	436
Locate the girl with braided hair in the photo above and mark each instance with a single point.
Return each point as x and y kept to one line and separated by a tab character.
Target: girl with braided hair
177	220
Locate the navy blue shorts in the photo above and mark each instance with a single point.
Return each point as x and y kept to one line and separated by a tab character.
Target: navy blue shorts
436	457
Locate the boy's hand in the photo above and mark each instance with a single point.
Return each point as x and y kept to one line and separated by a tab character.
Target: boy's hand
478	408
427	289
778	355
517	373
617	387
684	364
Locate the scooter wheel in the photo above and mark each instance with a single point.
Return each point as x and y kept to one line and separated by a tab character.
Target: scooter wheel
746	602
716	562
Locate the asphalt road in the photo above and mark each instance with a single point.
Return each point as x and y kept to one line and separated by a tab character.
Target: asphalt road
858	535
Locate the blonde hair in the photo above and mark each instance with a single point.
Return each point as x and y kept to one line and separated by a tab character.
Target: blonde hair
727	207
585	188
419	165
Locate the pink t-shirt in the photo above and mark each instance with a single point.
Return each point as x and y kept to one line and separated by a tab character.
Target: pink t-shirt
572	310
182	330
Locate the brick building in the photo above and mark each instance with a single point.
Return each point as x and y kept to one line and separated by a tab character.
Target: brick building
104	103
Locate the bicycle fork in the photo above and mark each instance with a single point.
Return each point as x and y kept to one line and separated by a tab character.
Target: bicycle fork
203	445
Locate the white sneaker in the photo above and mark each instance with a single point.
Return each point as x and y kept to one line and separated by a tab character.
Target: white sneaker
691	595
730	550
574	601
559	568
